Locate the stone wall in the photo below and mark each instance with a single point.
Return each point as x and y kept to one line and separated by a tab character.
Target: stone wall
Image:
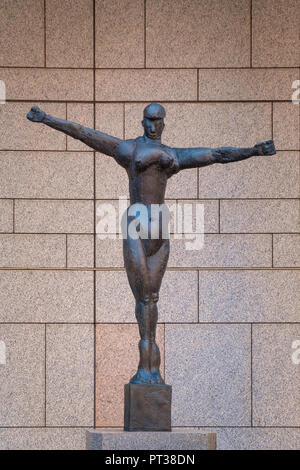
228	313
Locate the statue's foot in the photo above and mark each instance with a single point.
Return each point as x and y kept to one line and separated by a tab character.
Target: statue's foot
156	377
143	376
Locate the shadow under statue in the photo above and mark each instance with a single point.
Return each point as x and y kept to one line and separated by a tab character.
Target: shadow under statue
149	165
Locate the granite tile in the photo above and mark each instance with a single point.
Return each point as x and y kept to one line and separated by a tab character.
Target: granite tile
275	43
269	216
6	215
286	250
181	308
286	121
80	251
119	33
82	113
245	84
24	251
18	46
249	296
47	175
111	178
42	439
207	124
69	33
109	251
276	379
212	390
268	177
110	118
117	361
183	185
22	393
141	85
48	84
17	133
70	375
175	28
222	250
47	296
54	216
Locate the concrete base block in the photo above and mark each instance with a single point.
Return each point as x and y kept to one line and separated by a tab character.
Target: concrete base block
100	439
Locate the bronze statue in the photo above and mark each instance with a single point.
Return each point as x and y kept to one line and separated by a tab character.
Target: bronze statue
149	165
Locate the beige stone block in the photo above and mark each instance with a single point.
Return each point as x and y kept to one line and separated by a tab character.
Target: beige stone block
43	439
111	179
22	33
117	362
183	184
22	393
140	85
80	251
209	364
109	252
54	216
24	251
48	84
17	133
6	215
47	175
249	296
197	33
286	250
286	120
110	118
275	176
70	375
223	250
37	296
69	33
276	379
275	33
82	113
260	216
119	33
112	308
245	84
207	124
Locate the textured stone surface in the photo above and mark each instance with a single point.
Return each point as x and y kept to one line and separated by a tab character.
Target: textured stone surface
286	250
109	252
119	33
275	44
117	361
70	375
22	401
69	33
80	251
45	84
245	84
249	296
121	308
276	379
207	124
82	113
197	33
259	216
6	215
286	126
209	369
110	118
111	178
18	46
183	184
264	177
25	251
42	439
140	85
224	250
176	440
17	133
56	216
46	175
47	296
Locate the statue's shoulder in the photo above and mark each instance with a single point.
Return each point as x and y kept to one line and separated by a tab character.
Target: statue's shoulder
126	147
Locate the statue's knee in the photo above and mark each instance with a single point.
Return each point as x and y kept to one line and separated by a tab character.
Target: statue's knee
155	297
146	300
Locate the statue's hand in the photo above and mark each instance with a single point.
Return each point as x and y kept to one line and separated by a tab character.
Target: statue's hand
265	148
35	114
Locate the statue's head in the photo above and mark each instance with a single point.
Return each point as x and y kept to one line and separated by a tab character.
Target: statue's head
153	121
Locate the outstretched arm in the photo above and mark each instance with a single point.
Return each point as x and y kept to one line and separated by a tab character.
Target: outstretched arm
197	157
97	140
